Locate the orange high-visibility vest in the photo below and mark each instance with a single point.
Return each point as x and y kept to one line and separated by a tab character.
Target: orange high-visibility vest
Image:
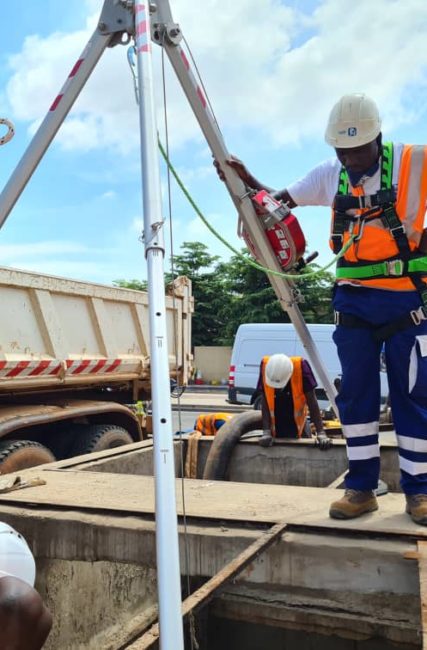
298	396
209	423
377	243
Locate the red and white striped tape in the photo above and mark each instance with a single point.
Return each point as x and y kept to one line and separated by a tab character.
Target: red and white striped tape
92	366
34	368
71	367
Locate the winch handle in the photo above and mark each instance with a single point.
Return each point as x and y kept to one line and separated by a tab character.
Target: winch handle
303	262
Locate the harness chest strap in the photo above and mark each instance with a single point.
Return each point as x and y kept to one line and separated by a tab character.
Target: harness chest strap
388	268
381	203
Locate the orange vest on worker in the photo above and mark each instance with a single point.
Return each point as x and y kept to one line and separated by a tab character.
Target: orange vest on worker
298	396
377	243
209	423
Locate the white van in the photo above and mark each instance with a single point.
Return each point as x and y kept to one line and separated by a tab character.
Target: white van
255	340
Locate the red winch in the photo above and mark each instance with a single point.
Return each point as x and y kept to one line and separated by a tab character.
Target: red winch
282	229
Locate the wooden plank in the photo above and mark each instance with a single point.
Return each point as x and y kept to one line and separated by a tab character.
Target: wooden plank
210	589
422	565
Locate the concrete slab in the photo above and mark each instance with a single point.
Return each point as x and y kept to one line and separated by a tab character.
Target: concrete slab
217	500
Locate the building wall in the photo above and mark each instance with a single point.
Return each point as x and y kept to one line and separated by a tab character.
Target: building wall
213	362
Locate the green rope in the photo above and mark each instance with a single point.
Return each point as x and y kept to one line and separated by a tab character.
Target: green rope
259	267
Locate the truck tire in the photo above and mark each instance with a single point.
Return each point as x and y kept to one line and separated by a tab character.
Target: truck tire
99	437
21	454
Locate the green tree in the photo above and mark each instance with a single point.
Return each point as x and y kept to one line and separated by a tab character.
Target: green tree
252	299
227	294
208	290
139	285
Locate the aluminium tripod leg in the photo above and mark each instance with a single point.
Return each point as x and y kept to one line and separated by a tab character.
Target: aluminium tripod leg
115	20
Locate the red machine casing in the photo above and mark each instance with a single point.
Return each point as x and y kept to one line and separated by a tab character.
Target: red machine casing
282	229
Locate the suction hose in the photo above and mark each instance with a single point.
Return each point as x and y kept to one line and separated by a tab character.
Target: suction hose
226	439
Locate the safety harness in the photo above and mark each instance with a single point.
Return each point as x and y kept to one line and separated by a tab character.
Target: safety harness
406	263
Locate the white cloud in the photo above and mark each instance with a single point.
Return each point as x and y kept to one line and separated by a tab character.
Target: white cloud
267	66
110	194
43	248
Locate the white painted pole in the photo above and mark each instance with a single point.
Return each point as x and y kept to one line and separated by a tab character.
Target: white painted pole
167	545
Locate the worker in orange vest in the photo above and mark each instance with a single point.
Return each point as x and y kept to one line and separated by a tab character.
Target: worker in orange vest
209	423
287	387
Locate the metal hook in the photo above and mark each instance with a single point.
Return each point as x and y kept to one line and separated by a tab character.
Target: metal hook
10	130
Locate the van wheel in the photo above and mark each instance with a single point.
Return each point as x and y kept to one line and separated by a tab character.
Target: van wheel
258	403
99	437
21	454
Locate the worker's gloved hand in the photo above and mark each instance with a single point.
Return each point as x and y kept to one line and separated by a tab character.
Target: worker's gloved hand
322	441
266	439
238	166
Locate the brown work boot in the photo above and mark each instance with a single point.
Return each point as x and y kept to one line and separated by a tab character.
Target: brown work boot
353	504
416	507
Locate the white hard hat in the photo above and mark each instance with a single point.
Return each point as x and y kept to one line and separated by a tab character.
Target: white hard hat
353	122
16	558
278	370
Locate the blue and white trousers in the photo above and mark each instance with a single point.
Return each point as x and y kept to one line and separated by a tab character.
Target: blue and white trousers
359	398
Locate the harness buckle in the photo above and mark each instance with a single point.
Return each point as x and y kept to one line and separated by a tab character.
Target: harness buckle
398	231
394	267
418	315
365	201
337	319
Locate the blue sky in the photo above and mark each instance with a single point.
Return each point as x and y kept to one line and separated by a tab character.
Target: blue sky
272	69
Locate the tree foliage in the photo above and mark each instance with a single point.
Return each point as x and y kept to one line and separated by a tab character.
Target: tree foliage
227	294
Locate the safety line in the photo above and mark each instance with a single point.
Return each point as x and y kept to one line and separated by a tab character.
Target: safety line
288	276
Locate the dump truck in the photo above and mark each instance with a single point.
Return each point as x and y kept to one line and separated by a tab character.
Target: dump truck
75	364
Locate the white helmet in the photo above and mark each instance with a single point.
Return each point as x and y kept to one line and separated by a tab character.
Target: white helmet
16	558
278	370
353	122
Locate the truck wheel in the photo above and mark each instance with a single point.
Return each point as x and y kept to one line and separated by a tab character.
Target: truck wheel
20	454
99	437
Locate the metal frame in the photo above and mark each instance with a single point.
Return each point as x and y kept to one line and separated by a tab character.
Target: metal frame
119	20
168	35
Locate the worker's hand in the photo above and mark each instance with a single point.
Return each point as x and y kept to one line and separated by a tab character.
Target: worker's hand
322	441
266	439
238	166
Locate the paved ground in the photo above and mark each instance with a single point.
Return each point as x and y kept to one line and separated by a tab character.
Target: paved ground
186	409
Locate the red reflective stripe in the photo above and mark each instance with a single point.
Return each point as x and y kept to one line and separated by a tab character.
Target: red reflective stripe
2	364
114	365
201	96
39	368
142	28
55	370
55	103
76	68
83	365
101	363
185	60
20	366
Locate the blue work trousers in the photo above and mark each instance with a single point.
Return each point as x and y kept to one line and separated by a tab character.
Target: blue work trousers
359	397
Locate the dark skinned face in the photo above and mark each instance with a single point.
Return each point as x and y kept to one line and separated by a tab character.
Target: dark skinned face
359	159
